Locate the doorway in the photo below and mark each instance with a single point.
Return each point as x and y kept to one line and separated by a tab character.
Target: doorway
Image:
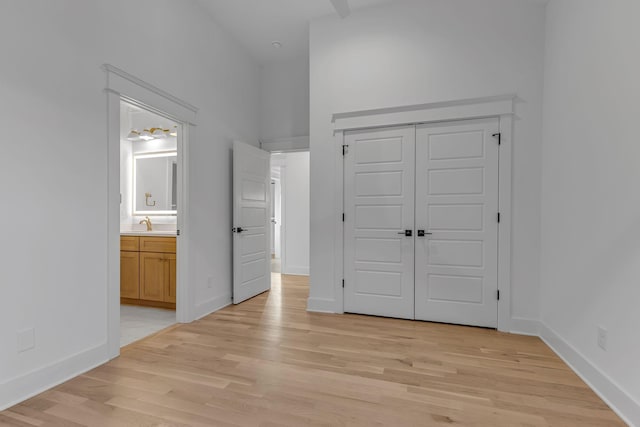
122	86
271	226
149	191
290	213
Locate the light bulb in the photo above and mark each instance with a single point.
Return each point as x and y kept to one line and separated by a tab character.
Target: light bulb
146	135
133	135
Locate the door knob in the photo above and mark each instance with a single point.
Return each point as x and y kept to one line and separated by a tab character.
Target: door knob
422	233
237	229
407	233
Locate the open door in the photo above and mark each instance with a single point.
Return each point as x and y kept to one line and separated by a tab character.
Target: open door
251	222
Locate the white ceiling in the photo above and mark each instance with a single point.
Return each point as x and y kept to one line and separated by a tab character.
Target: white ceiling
257	23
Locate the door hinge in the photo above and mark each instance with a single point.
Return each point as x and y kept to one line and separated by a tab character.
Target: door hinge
498	217
343	217
498	294
343	283
177	232
345	148
499	136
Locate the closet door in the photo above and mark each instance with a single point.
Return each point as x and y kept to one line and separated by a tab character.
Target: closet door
379	182
457	206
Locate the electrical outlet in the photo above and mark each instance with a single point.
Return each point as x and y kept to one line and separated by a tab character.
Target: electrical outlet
26	339
210	282
602	338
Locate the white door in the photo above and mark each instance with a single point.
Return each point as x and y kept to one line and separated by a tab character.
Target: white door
379	207
277	229
457	207
251	222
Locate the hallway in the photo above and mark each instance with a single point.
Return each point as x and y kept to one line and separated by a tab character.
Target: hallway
269	362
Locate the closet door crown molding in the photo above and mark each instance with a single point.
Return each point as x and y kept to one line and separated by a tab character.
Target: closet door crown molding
474	108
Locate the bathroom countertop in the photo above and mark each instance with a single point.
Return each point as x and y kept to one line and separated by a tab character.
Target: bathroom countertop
158	233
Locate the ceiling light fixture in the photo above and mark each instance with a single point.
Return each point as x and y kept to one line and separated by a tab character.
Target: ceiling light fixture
151	134
276	44
134	135
146	135
158	133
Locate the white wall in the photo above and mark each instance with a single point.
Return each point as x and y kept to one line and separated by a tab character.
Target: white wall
590	251
295	188
425	51
53	260
284	100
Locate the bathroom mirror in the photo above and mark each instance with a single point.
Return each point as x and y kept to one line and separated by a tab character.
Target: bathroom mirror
154	183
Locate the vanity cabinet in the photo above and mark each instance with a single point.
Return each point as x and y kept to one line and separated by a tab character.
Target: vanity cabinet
148	271
157	277
129	275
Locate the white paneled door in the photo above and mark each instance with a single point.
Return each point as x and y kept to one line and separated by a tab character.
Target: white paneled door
456	260
379	219
421	229
252	222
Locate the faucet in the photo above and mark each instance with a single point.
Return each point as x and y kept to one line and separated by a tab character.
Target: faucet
147	221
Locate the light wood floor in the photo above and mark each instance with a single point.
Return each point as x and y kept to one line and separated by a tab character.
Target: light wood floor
267	362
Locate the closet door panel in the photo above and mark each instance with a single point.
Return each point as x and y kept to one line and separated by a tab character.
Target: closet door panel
456	261
379	206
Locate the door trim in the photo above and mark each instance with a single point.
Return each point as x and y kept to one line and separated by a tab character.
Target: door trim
121	86
501	107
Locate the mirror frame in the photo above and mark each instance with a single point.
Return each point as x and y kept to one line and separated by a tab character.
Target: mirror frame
149	155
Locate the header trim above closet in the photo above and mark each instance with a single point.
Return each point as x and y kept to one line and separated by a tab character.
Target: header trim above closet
476	108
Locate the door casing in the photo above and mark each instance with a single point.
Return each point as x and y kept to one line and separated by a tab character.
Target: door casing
122	86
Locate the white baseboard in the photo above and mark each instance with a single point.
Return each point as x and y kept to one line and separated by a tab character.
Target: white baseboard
524	326
295	270
321	305
214	304
25	386
608	390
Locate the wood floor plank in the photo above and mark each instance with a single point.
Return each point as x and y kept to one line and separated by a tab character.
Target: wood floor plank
268	362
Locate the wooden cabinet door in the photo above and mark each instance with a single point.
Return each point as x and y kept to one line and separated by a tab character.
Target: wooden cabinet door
154	274
170	291
130	275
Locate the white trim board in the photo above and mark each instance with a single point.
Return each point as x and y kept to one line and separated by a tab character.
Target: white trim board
134	89
321	305
42	379
608	390
214	304
476	108
501	107
294	270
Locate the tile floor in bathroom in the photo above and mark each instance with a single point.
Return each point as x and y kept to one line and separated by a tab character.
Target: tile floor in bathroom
138	322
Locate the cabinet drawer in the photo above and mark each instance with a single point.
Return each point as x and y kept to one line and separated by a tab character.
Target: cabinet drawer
129	243
158	244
